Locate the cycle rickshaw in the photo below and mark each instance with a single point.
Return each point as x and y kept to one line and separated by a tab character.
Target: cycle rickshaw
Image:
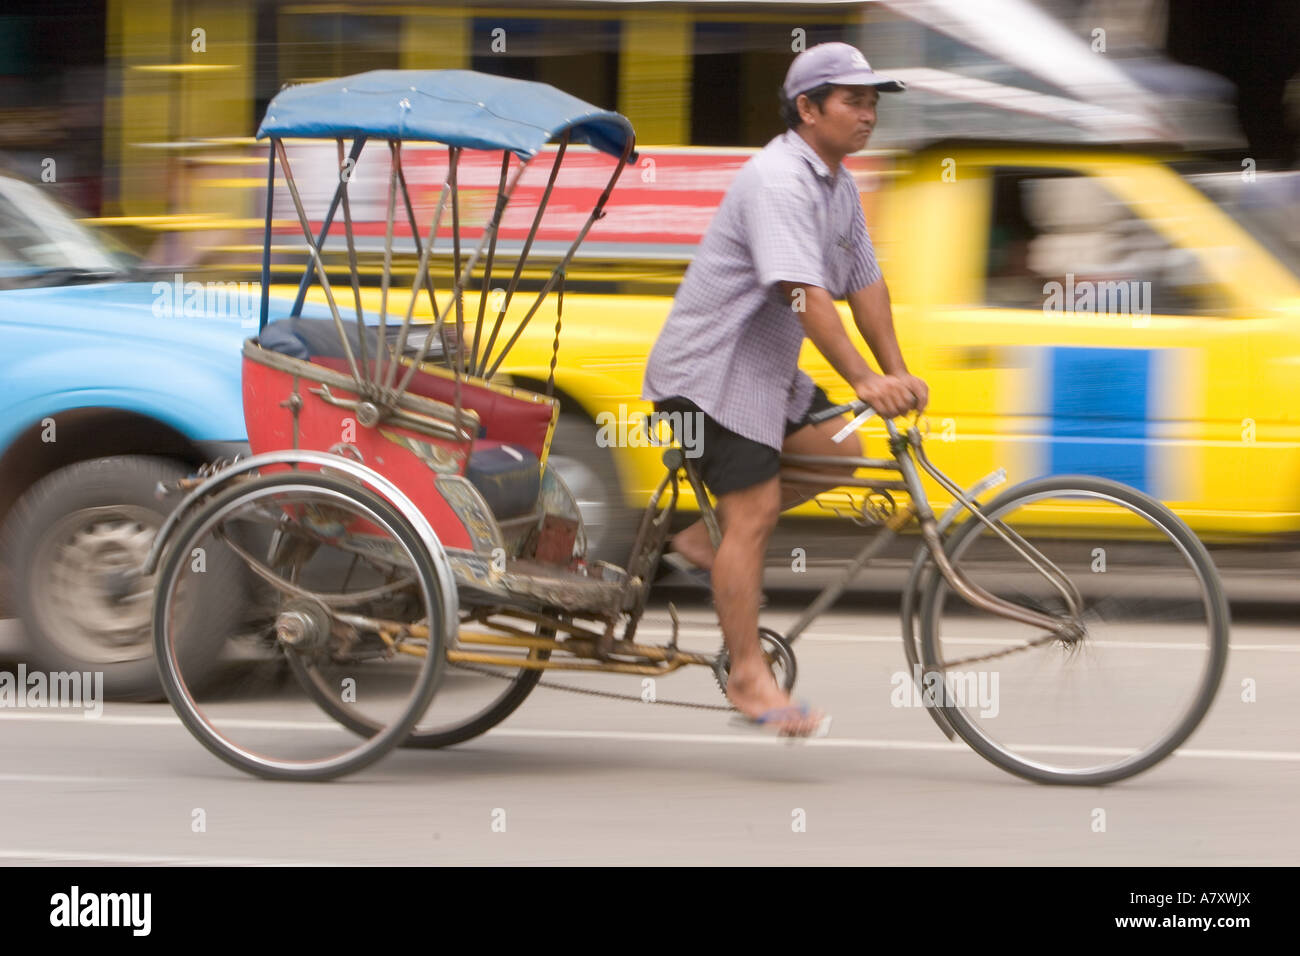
414	566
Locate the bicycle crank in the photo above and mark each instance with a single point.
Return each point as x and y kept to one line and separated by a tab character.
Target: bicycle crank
779	653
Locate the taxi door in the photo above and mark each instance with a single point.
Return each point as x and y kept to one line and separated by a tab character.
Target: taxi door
1091	313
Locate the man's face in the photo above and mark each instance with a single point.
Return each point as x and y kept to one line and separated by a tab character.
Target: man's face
845	122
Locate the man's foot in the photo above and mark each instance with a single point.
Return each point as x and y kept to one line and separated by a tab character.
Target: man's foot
793	721
675	571
693	545
675	568
771	708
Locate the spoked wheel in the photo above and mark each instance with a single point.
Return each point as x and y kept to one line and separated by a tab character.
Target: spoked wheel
471	699
1121	685
363	619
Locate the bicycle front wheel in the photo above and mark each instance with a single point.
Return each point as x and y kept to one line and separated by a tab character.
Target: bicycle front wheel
1122	690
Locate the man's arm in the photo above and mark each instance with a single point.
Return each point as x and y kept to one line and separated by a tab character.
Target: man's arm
888	394
875	320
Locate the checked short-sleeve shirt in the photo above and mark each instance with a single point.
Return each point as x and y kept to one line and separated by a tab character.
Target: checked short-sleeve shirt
731	341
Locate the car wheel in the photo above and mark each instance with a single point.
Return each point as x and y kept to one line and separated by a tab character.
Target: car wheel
590	474
72	543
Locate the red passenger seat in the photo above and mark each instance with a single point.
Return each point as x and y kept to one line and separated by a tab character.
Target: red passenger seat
505	462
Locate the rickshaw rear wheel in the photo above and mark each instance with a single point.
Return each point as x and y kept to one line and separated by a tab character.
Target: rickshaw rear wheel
515	687
432	739
432	577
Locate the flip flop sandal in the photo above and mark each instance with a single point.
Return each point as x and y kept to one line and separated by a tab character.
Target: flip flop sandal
675	569
779	715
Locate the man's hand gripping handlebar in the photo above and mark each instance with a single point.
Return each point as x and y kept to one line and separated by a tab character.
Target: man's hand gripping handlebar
862	413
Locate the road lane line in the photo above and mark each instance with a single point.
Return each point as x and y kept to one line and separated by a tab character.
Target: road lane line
1006	642
60	856
117	720
59	778
842	638
858	743
122	720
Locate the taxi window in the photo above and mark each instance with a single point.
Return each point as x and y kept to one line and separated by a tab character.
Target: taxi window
1062	241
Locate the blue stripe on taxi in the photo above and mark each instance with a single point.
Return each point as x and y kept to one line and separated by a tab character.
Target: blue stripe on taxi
1098	420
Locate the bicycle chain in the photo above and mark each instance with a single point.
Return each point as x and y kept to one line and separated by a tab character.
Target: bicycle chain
1036	642
610	695
596	693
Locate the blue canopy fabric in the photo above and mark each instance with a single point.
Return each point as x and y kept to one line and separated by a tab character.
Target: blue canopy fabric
457	107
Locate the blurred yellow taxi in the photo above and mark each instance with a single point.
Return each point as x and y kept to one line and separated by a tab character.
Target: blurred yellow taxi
1074	311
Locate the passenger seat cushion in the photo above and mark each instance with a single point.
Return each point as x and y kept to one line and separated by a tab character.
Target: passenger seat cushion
308	339
509	477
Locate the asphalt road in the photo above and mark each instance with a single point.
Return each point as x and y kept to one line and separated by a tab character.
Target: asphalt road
572	779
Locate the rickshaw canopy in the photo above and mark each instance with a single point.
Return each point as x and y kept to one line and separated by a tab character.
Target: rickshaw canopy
457	107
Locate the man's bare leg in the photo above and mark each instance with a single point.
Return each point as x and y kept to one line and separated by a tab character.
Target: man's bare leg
748	517
693	542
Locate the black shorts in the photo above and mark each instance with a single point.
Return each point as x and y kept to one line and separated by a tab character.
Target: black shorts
729	462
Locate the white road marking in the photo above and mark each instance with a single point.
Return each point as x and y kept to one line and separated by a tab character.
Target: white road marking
860	743
841	638
857	743
66	856
116	720
61	778
171	720
755	739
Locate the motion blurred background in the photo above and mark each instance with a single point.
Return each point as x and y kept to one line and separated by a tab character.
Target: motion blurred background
1088	213
1146	148
146	106
140	114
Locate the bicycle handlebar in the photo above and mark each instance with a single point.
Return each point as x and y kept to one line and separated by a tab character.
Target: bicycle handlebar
856	407
861	411
826	414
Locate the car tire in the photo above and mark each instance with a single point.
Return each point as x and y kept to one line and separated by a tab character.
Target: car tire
589	472
67	544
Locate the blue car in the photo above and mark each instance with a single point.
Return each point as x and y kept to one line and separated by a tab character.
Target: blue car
110	382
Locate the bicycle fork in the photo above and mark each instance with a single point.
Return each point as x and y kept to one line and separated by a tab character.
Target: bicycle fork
971	592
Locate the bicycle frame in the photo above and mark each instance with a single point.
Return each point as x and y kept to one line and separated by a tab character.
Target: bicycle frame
908	451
